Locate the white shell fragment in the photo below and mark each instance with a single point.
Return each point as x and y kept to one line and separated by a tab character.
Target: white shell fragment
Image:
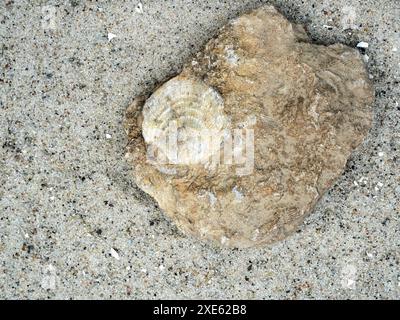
111	36
362	44
139	8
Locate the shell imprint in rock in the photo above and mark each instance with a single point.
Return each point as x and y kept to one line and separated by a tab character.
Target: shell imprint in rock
239	147
184	110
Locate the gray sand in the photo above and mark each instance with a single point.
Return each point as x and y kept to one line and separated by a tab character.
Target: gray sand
72	222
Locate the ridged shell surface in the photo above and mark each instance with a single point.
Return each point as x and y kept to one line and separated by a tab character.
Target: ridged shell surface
179	118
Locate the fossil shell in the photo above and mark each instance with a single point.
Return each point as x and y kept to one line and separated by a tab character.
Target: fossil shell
303	108
177	119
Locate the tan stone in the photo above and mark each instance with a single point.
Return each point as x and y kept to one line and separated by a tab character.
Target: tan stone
308	105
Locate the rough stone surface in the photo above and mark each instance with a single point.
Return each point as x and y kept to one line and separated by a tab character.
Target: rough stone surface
308	105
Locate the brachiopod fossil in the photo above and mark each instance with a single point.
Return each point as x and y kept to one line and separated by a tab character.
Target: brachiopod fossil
240	146
176	118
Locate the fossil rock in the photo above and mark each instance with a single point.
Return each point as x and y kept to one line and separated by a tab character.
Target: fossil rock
283	115
188	108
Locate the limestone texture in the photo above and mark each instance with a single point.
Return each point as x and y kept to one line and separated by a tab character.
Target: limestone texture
306	107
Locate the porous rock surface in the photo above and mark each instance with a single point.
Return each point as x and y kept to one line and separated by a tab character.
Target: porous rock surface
308	105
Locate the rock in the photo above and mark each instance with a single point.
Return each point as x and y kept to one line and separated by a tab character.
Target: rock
239	147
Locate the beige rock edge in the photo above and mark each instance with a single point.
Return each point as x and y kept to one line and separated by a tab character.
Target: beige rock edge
312	107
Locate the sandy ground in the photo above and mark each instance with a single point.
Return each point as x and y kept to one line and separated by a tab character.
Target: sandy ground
74	225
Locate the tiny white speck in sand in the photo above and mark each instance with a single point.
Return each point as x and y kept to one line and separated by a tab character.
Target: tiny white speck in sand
378	186
111	36
362	44
114	254
363	180
139	8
